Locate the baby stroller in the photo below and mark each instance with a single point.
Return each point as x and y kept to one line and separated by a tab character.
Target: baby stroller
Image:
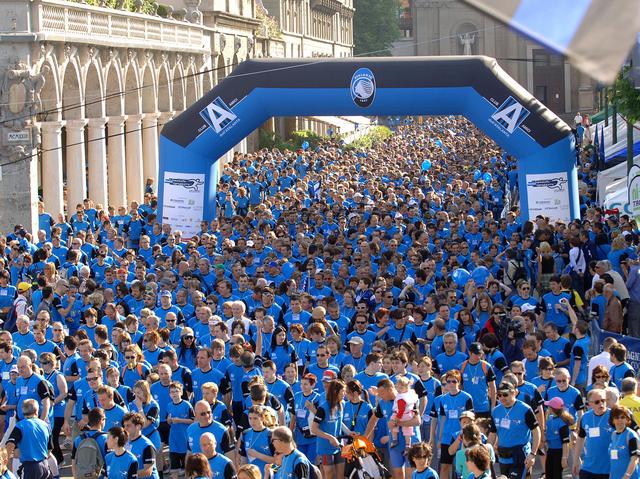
363	461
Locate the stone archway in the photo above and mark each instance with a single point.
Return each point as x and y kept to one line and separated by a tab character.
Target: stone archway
74	165
178	88
164	89
191	82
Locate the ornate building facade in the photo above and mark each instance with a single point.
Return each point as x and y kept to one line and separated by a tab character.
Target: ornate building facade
450	27
86	89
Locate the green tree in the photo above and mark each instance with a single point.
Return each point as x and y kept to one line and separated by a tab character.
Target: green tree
375	27
626	97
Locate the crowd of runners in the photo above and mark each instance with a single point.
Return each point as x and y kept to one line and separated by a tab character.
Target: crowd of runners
341	294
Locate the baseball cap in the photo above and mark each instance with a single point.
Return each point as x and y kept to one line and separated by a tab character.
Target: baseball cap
475	348
219	266
14	369
409	281
328	376
506	386
186	332
356	340
468	414
165	294
23	287
555	403
527	307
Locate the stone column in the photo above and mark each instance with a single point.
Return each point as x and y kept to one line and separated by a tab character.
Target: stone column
117	180
76	164
135	188
97	160
150	146
52	180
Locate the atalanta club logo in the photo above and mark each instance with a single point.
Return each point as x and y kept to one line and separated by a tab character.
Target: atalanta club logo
191	184
363	87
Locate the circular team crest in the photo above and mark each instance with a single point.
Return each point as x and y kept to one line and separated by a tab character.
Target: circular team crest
363	87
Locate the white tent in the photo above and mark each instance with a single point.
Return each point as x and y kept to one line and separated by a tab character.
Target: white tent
616	195
611	149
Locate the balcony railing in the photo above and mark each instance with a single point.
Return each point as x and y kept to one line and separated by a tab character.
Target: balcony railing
68	21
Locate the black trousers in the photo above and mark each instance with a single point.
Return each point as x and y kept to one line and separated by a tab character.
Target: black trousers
35	470
553	464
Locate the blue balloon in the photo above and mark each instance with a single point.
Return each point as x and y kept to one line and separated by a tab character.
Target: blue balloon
305	145
487	177
460	276
426	164
477	175
480	275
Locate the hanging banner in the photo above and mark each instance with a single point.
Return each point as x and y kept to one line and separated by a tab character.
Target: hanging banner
633	188
548	195
632	344
183	202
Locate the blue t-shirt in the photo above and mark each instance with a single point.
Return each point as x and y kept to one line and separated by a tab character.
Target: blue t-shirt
145	453
178	432
449	407
124	466
596	432
623	446
329	422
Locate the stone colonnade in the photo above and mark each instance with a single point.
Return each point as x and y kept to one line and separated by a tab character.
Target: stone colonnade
107	159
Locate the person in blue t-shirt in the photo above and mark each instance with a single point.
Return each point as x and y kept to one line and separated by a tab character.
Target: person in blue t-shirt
419	456
621	368
623	448
141	447
559	347
591	450
518	432
120	463
327	426
554	305
179	417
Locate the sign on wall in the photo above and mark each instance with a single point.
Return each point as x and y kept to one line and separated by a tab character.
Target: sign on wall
183	202
548	195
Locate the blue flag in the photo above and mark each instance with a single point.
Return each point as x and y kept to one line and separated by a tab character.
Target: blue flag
601	151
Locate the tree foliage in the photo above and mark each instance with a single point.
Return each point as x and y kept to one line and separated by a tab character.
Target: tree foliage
375	27
626	97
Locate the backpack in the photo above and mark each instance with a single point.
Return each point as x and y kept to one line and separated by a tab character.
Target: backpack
12	316
519	273
89	460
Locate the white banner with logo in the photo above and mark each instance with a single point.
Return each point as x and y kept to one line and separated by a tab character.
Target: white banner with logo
633	190
183	202
548	195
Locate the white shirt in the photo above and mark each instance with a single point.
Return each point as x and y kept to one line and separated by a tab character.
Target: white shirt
577	260
602	359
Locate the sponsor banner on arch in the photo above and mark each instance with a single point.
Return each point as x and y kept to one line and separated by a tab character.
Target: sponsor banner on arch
632	344
548	195
183	202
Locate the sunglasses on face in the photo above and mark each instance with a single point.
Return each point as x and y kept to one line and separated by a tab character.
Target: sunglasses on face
597	402
504	395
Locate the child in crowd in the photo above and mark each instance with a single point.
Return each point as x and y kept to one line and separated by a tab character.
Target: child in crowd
403	410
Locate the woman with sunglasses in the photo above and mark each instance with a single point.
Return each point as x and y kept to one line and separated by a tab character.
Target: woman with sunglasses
600	378
591	457
623	448
545	380
187	350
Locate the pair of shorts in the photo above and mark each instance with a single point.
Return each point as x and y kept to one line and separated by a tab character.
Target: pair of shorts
397	458
329	459
445	457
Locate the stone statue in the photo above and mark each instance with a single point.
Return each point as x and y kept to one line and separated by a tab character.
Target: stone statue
467	40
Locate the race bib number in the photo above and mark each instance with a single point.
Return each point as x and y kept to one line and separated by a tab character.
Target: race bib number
614	454
24	390
301	413
5	375
594	432
505	423
453	414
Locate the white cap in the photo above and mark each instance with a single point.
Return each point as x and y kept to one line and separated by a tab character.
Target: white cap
409	281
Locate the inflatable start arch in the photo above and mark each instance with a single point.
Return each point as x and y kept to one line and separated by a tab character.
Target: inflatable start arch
475	87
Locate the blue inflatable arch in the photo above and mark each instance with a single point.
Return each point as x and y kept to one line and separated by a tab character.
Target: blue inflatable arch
257	90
